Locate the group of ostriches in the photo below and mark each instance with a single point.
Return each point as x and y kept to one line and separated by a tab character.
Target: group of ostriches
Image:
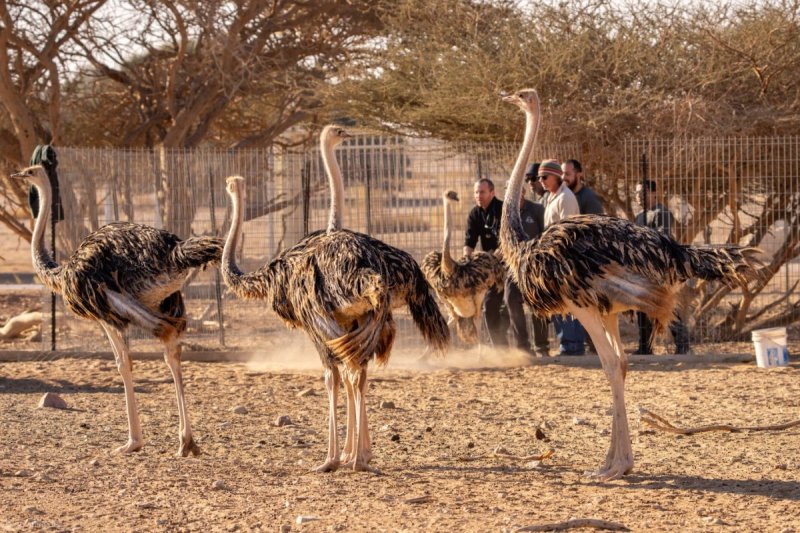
341	286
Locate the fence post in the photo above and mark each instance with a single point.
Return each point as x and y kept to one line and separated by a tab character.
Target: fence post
217	284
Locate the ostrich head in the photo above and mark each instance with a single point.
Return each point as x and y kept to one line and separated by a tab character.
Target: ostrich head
451	196
525	99
235	186
35	175
333	135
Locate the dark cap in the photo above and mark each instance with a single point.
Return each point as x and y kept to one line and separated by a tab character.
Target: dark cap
532	172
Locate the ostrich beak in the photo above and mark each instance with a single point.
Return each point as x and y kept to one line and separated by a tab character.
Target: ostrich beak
455	197
18	175
508	97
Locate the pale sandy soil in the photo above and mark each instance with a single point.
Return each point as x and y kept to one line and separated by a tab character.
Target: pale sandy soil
57	472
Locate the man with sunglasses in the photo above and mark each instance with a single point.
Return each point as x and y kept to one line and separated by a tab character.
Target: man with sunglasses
561	203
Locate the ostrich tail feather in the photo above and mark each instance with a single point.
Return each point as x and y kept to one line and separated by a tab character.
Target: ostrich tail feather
197	252
427	316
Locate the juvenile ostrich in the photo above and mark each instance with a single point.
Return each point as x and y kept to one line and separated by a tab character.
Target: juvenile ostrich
462	284
339	286
124	274
596	267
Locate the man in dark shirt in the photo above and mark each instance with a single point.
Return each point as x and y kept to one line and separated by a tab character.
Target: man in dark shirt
532	215
588	202
483	224
658	217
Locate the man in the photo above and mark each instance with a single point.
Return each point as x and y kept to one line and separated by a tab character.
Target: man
655	215
588	202
532	215
483	224
532	179
561	203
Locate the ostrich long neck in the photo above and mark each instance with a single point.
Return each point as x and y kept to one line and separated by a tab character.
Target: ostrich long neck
256	285
448	265
511	223
43	263
336	184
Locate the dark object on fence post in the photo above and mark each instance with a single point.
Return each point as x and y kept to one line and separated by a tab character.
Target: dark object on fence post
642	321
305	180
645	187
45	155
217	284
480	168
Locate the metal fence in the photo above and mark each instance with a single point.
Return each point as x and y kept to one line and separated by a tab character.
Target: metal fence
720	190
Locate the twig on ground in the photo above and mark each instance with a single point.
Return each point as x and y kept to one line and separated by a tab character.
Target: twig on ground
576	523
502	452
658	422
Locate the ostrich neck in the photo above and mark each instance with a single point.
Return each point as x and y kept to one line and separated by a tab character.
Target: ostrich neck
229	267
448	265
260	284
43	263
511	223
336	184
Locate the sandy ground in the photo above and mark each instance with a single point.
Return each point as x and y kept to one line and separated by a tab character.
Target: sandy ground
57	471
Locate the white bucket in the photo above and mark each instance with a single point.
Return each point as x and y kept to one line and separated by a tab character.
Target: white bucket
770	347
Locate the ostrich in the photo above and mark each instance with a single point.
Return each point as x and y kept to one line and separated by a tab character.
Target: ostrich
462	284
340	287
596	267
124	274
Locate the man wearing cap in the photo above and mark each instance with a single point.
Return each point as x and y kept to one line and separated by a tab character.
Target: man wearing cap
588	202
483	223
560	204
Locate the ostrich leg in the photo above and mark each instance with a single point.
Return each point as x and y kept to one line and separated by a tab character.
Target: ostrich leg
349	450
619	459
359	383
172	355
125	367
332	386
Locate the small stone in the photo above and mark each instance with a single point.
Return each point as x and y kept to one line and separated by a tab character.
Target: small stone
146	505
470	445
53	400
218	485
240	410
533	465
286	528
387	404
305	392
303	519
283	420
579	421
780	466
34	510
395	438
94	462
540	434
22	473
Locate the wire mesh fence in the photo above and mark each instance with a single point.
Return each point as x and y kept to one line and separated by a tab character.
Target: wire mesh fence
719	190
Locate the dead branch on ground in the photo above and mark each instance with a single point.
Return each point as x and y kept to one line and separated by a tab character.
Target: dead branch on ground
658	422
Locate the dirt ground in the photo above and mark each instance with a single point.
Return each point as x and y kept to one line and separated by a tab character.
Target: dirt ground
57	472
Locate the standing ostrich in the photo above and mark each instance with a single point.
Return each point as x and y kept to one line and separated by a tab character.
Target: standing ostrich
462	284
596	267
124	274
340	287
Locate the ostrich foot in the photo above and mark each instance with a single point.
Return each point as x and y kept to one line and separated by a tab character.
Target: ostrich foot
362	466
349	459
614	470
130	446
331	465
188	447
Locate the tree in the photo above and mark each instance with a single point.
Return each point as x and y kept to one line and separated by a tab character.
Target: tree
35	38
